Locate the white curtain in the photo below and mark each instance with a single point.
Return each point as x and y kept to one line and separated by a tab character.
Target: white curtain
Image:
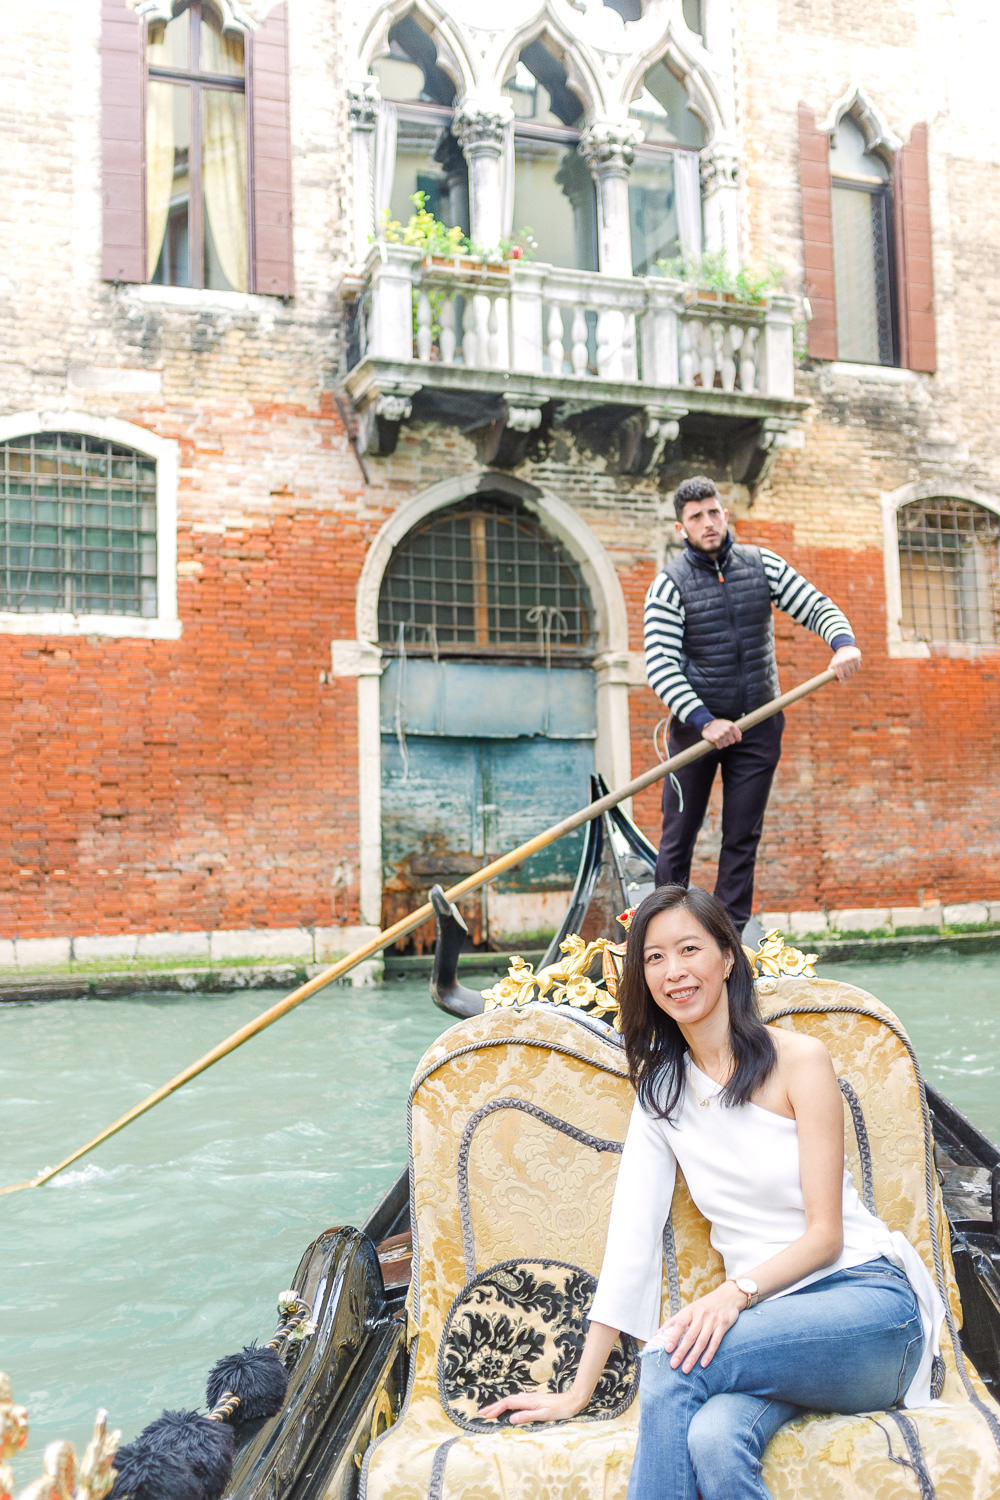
687	186
385	161
159	166
224	169
507	169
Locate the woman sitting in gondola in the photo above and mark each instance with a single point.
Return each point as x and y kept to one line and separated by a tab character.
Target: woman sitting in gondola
823	1308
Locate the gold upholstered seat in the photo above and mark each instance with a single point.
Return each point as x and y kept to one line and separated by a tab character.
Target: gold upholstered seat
516	1121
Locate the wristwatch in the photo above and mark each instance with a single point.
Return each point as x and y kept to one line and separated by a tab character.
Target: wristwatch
748	1288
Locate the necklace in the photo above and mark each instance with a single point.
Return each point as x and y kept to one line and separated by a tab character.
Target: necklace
692	1067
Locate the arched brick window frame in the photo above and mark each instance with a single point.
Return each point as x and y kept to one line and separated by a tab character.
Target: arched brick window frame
123	74
912	255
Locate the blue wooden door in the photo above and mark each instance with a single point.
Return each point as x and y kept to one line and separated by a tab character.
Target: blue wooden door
477	759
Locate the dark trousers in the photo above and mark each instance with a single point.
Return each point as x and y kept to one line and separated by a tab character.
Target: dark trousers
747	773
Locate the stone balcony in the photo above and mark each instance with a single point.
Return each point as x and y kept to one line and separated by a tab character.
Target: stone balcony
630	365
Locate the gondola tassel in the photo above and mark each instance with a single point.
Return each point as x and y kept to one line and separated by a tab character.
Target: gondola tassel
183	1455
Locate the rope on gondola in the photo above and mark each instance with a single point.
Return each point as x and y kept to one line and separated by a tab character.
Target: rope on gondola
184	1455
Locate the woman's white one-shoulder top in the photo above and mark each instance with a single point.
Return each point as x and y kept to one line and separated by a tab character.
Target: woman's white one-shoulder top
741	1166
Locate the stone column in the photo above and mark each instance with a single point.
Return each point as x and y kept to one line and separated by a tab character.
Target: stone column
363	101
720	197
480	133
609	149
363	660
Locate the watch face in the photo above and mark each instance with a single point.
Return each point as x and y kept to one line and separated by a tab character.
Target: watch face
746	1285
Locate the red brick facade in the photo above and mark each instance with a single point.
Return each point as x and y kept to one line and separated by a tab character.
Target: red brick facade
211	782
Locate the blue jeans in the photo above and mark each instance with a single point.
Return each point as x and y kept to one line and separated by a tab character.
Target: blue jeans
850	1342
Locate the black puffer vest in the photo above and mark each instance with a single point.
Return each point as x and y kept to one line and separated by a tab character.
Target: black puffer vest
728	632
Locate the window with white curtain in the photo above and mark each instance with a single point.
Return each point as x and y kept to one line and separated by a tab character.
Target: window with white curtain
664	192
196	152
417	152
554	195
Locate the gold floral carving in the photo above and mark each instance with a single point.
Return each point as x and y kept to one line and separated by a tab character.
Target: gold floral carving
60	1479
563	983
566	982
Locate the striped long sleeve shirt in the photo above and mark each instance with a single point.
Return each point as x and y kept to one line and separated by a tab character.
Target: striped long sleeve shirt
664	631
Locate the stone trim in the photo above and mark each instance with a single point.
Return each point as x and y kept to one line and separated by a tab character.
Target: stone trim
165	626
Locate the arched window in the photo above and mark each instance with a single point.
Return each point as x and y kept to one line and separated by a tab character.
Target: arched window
949	571
196	152
664	195
480	578
78	526
427	157
863	255
554	192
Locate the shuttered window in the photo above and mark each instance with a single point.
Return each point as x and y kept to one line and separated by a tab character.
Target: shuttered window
866	246
196	151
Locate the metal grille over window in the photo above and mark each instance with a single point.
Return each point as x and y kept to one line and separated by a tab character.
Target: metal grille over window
949	564
483	577
77	526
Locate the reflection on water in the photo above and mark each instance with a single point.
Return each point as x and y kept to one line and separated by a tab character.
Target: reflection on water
127	1277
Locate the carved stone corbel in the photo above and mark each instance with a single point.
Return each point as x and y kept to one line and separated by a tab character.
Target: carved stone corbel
644	436
754	459
379	421
503	442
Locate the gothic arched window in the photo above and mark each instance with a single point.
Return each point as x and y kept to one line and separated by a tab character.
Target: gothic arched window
664	195
196	152
554	193
419	103
863	255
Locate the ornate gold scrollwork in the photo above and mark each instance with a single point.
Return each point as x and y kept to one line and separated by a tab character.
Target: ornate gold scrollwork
562	983
567	983
60	1479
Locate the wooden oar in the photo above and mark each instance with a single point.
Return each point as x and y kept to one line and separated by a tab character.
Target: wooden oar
407	924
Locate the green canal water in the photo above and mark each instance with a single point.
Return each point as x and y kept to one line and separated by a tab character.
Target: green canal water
124	1279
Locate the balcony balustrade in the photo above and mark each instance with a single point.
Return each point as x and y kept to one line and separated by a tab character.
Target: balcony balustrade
511	342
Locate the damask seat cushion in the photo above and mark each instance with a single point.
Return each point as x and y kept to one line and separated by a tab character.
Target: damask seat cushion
520	1326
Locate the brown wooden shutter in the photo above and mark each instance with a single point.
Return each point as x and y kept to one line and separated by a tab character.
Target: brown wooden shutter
817	235
272	157
124	246
917	338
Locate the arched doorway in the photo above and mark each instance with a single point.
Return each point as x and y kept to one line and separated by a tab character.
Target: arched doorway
487	710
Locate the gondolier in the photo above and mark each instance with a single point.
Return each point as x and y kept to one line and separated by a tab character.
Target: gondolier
709	642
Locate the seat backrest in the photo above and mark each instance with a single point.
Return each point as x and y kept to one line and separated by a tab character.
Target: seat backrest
517	1118
516	1124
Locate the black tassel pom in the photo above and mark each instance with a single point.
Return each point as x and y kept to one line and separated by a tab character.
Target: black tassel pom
256	1375
206	1447
143	1475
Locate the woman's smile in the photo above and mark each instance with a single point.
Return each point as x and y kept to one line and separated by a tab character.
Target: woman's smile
684	966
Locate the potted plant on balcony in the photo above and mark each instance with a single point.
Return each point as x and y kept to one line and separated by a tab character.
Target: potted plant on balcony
447	245
710	278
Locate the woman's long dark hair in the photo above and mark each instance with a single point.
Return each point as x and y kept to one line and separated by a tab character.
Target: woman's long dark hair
654	1043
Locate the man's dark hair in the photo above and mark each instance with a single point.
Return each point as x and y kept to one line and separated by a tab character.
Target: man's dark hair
696	488
654	1044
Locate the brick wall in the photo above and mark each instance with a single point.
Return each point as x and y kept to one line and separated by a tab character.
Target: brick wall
212	782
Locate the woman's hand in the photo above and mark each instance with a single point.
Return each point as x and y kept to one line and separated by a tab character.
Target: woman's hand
535	1406
697	1330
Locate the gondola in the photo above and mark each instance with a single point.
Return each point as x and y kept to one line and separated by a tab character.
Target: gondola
361	1372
